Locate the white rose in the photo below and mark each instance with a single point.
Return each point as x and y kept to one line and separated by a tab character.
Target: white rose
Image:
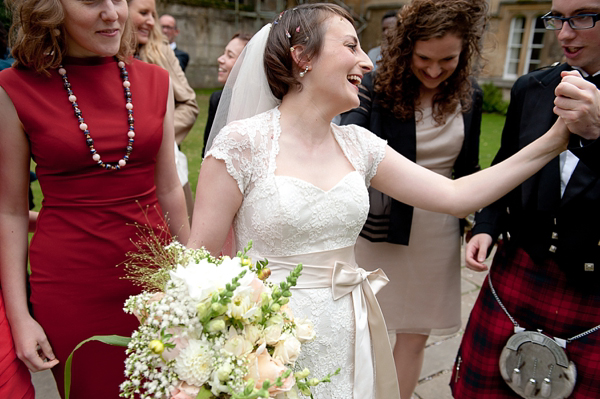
237	345
254	334
305	330
287	350
273	334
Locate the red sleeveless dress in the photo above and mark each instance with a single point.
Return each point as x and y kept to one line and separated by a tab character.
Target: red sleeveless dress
86	223
15	380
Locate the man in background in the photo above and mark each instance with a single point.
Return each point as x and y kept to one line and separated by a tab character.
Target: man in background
388	22
169	28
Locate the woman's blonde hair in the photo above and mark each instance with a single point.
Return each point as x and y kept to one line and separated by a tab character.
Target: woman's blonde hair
38	37
152	52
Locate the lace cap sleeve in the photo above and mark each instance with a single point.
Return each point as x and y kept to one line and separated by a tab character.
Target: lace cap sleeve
364	149
233	145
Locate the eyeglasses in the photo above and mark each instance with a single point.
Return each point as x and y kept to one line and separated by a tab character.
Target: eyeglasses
576	22
167	27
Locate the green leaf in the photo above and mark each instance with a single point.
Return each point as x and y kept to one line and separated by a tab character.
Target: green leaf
114	340
204	393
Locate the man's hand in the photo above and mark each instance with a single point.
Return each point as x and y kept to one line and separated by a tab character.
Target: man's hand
476	252
577	102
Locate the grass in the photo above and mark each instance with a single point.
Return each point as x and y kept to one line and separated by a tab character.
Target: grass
491	130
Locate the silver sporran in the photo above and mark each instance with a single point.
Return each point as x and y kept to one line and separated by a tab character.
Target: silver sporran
535	366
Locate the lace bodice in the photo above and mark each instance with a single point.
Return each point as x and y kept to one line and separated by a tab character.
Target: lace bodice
285	215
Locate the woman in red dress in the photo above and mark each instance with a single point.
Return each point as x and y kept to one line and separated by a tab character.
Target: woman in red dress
69	103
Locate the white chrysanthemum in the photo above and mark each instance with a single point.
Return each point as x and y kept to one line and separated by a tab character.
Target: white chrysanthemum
194	363
204	278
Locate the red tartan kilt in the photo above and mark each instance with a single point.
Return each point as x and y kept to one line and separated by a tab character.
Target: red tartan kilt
538	296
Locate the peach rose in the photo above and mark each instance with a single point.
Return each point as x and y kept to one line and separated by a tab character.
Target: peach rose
179	341
184	391
263	367
288	315
257	288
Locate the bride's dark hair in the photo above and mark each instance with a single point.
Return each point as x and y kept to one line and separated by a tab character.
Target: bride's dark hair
300	26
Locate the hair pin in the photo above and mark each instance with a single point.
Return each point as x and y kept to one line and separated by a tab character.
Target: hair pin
298	29
288	34
292	49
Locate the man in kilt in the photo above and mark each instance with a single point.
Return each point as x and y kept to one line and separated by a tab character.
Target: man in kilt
546	270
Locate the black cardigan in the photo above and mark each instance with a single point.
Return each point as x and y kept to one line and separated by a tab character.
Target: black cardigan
390	220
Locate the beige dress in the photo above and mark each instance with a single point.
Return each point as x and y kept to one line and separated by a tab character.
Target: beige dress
423	295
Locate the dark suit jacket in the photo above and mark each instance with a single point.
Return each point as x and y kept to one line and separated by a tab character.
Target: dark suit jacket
213	103
390	220
183	58
534	216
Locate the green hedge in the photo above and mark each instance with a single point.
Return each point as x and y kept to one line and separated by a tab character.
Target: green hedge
492	99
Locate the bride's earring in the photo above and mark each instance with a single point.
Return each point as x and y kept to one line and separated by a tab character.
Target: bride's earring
303	72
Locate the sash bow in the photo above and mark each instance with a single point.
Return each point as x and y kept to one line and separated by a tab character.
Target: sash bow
370	330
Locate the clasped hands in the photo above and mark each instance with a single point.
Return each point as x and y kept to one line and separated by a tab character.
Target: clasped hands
577	103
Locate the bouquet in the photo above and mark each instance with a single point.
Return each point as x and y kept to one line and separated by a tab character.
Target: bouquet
214	328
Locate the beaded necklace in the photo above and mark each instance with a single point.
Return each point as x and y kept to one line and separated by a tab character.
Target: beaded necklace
84	127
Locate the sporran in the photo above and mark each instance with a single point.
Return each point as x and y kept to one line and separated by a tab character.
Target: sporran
535	365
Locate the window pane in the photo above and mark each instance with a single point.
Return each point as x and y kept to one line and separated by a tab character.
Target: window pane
519	23
514	53
538	37
517	37
533	65
512	68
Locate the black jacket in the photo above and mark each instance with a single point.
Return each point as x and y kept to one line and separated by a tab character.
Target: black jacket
390	220
534	216
183	58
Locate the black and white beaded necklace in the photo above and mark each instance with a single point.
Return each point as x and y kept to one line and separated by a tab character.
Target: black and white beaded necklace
84	127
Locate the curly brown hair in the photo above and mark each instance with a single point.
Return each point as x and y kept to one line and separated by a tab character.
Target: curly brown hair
38	38
302	25
396	84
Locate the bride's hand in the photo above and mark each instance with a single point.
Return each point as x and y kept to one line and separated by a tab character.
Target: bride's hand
32	346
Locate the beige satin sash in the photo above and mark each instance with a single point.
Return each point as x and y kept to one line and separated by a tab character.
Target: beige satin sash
337	269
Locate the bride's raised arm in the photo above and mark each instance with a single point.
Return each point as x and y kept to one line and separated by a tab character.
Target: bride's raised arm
412	184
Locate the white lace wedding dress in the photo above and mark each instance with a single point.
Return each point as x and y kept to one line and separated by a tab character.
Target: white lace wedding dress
287	216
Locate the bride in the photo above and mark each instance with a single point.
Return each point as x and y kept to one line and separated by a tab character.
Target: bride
296	185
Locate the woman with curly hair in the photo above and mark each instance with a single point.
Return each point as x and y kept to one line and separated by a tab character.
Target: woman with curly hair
423	101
